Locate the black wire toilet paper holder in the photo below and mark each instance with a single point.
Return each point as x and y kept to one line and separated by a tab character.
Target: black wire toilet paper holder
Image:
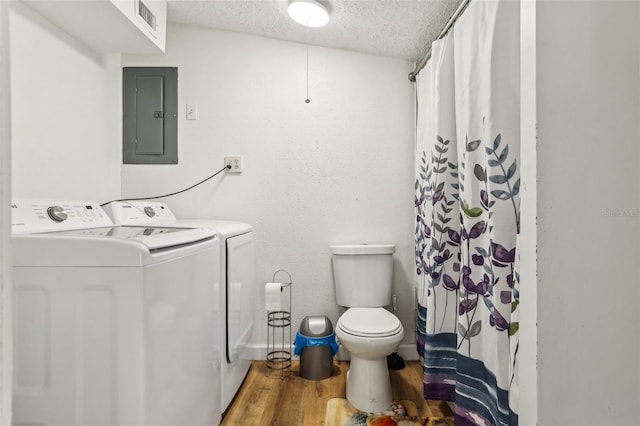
278	327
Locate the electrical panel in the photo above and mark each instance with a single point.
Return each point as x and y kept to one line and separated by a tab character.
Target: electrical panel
150	115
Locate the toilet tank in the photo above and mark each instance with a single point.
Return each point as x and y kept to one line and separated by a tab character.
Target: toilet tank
362	274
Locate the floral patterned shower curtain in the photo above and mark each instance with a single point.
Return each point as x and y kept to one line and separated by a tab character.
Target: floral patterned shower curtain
468	214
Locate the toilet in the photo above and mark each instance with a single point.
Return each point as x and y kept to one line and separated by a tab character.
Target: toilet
363	276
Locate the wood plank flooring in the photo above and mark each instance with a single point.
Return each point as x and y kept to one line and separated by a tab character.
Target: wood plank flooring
293	401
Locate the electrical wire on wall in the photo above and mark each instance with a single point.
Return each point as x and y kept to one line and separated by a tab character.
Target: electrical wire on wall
227	167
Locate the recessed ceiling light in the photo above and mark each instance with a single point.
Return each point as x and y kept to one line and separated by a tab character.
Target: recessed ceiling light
309	13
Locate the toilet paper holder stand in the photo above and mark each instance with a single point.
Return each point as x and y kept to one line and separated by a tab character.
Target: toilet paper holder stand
279	332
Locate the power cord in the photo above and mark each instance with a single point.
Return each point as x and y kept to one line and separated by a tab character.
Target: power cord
227	167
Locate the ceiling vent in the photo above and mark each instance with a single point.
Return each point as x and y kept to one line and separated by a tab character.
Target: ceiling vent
147	16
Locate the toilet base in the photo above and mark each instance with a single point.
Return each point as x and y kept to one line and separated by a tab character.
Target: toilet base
368	385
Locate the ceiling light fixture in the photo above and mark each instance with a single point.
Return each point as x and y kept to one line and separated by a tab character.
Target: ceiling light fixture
309	13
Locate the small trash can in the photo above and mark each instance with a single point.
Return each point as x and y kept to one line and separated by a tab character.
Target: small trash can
316	345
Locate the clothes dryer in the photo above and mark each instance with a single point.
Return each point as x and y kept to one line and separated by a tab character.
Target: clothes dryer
238	289
113	324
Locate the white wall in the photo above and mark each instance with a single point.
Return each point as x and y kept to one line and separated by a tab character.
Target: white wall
6	334
66	113
588	212
527	249
337	170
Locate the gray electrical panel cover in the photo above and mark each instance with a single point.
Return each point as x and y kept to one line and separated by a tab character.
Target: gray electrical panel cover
150	115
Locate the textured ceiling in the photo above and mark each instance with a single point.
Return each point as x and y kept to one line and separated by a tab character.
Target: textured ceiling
395	28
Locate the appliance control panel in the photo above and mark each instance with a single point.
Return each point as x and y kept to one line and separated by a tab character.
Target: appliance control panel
30	216
140	213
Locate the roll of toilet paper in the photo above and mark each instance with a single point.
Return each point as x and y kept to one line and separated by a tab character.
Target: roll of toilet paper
272	293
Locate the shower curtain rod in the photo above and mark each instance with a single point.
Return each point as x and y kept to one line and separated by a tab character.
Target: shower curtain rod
445	30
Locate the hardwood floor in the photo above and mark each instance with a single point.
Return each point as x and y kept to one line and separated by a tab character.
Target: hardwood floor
294	401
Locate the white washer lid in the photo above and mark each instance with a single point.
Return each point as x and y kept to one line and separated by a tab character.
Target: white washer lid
374	322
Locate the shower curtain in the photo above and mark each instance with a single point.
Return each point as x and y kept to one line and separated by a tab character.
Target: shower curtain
468	209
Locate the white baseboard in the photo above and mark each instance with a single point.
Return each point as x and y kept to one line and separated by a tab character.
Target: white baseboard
407	351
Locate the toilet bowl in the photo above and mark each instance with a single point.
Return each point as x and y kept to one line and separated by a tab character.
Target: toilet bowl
363	275
370	334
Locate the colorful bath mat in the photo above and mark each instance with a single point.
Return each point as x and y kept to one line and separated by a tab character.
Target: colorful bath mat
340	412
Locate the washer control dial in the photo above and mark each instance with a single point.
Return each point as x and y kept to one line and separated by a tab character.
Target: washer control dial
57	213
149	211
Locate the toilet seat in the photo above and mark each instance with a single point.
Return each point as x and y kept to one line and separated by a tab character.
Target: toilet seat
369	322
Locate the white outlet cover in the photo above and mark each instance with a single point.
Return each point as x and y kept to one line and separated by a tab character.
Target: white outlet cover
235	161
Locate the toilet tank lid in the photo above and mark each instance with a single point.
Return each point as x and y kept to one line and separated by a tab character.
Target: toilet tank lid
351	249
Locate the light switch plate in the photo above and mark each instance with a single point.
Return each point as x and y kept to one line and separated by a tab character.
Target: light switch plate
192	111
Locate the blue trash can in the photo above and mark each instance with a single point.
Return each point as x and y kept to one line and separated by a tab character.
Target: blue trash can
316	345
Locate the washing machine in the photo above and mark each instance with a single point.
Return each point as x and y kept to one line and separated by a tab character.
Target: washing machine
238	289
113	325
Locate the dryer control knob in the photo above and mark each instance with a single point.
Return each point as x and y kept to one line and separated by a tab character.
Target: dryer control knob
149	211
57	213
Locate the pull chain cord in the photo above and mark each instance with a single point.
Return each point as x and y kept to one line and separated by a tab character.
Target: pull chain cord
306	101
173	193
